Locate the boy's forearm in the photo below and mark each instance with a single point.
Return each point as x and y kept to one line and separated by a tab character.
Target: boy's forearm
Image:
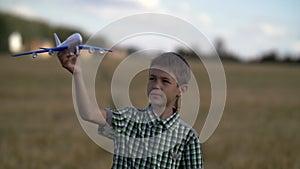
88	110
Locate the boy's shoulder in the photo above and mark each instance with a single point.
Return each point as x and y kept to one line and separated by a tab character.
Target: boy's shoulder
188	128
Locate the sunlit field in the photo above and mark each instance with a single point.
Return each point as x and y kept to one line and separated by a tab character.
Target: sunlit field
39	128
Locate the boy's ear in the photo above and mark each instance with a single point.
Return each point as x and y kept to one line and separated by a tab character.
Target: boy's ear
183	88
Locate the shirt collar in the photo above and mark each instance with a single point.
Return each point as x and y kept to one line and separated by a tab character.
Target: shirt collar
167	123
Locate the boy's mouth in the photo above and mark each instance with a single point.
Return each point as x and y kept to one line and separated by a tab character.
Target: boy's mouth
156	93
157	97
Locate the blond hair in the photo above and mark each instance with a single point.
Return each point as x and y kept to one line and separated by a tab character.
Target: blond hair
174	64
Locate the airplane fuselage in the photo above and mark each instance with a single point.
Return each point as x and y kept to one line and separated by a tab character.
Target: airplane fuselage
72	42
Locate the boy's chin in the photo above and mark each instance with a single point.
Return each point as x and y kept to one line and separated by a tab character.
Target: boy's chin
157	101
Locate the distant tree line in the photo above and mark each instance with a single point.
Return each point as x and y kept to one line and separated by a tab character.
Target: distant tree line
271	56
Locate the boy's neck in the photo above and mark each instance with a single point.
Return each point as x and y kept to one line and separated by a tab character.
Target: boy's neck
163	112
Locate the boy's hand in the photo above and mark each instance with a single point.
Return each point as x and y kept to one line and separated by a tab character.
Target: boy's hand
67	61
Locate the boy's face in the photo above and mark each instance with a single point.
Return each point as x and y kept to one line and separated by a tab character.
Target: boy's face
162	88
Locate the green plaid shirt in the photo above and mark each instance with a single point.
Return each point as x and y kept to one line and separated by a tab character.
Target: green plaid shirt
142	140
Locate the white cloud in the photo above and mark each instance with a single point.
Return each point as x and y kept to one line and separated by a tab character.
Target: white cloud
205	19
115	9
184	6
104	12
148	4
271	30
24	11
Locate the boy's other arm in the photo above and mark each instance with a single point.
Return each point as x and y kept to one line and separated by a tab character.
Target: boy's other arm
87	110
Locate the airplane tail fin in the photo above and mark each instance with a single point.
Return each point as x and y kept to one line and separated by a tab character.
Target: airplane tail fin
57	41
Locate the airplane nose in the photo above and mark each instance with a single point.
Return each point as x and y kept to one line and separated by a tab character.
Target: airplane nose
79	37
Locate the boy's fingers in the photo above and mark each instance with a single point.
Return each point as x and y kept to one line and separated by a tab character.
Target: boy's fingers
67	61
61	55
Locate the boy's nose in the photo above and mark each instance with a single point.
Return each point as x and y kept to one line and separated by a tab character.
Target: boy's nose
157	85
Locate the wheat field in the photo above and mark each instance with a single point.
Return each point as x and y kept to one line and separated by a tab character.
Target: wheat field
39	128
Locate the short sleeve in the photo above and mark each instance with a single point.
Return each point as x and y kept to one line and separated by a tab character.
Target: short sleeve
116	120
192	155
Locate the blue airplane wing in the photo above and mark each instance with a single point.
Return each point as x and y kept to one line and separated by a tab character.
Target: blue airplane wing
42	50
93	47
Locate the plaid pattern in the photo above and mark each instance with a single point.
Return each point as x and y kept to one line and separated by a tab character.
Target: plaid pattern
142	140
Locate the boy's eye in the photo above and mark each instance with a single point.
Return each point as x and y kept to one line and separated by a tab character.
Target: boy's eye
151	78
166	81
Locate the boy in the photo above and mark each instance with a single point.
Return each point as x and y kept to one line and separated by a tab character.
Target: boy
154	137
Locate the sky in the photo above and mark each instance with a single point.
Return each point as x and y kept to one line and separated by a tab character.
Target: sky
248	28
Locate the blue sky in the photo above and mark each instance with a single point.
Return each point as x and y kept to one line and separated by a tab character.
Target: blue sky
248	27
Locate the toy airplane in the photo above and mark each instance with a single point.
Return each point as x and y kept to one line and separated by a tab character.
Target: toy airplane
72	43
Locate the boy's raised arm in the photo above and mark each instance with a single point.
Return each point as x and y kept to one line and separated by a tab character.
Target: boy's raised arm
87	110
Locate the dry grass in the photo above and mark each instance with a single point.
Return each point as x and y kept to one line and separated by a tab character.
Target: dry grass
39	128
